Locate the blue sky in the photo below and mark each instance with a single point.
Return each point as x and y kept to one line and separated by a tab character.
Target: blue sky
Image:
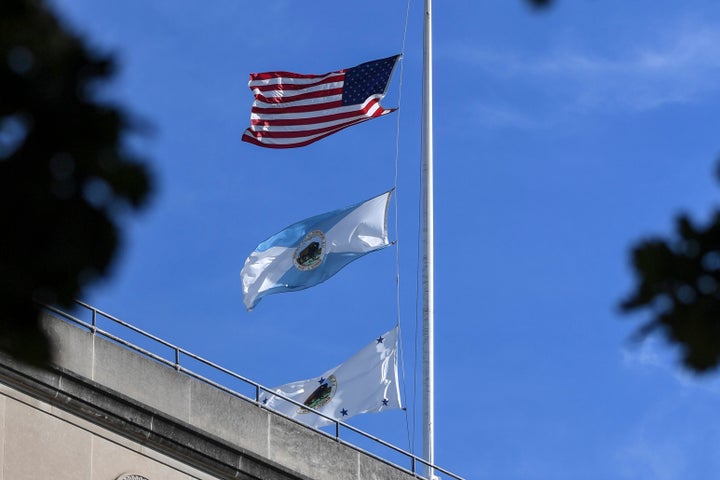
561	139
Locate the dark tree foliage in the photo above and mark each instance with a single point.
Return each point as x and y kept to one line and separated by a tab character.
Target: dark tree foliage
540	3
679	282
64	172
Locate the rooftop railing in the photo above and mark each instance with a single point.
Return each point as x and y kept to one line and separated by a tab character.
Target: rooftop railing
147	344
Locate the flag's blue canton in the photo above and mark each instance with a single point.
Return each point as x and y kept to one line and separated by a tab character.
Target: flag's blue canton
367	79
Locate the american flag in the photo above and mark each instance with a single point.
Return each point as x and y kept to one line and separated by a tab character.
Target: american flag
294	110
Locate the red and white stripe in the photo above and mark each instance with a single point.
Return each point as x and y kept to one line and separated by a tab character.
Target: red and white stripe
294	110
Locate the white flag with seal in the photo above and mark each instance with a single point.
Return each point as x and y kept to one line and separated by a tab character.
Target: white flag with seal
367	382
313	250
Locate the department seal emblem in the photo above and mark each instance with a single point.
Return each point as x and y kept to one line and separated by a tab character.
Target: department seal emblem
321	395
311	251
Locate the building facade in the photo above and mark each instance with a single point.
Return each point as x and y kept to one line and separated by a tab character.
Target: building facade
107	412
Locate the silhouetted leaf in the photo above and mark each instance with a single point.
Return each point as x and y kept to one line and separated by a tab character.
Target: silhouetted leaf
678	282
64	170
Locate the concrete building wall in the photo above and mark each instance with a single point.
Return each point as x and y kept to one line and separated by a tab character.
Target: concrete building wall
40	441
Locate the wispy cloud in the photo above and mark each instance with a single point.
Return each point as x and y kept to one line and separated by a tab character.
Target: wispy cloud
676	435
675	67
674	439
679	71
654	355
644	355
501	116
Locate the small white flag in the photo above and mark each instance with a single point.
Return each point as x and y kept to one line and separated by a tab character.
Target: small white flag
367	382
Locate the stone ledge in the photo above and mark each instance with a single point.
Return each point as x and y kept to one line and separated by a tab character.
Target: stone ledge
140	423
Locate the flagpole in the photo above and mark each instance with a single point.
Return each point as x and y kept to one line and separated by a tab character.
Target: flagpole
428	249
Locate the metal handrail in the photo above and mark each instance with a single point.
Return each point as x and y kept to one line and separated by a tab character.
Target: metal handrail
180	352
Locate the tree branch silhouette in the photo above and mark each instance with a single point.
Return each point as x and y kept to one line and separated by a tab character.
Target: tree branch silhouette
65	172
678	282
